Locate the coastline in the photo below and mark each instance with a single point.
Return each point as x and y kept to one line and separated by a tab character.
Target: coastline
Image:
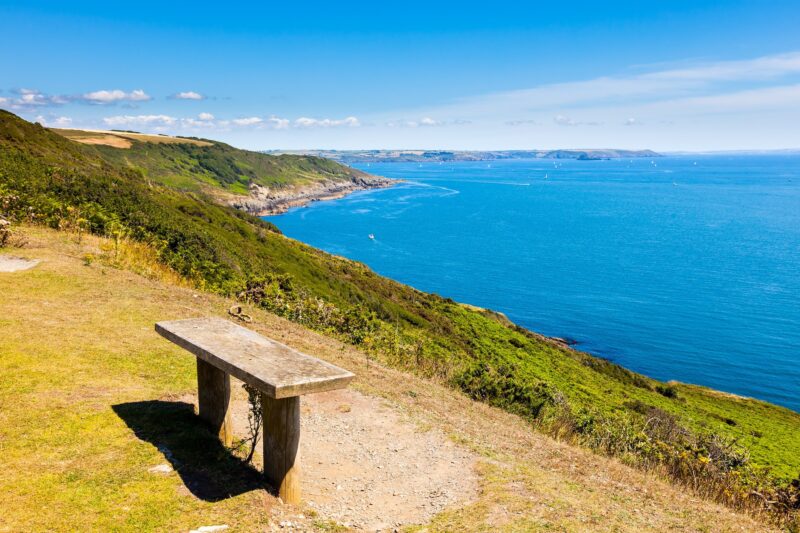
263	201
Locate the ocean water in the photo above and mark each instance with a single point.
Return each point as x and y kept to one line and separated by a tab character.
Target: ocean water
684	268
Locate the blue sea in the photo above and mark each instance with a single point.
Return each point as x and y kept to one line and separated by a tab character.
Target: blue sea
681	268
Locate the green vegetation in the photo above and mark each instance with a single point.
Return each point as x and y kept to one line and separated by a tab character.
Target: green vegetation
211	166
740	451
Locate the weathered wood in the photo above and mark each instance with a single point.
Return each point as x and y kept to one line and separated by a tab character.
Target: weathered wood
271	367
281	374
214	399
282	446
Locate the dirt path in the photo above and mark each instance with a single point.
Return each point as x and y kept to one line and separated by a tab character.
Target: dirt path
367	467
15	264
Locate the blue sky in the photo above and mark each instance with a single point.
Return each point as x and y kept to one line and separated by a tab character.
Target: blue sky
673	75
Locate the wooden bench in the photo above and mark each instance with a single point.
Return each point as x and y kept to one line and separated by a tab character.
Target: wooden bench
281	374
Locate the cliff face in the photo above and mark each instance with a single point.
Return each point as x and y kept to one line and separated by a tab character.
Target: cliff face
263	201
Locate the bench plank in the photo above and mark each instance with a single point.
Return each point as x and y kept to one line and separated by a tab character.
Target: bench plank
275	369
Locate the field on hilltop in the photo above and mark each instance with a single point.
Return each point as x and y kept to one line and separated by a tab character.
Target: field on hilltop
213	167
113	211
123	139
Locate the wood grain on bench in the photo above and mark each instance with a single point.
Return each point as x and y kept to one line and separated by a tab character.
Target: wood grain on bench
281	374
275	369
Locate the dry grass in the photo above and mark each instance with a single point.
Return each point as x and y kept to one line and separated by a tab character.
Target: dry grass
122	139
78	339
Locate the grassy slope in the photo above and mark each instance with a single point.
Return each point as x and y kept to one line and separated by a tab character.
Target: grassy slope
212	166
487	358
78	342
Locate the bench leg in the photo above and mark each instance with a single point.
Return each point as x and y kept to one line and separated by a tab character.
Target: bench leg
214	398
282	446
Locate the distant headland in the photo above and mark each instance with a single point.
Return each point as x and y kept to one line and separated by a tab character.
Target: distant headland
414	156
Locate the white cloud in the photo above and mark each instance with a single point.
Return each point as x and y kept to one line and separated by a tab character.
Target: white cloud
632	122
563	120
61	122
31	98
28	99
189	95
765	98
664	84
278	123
140	120
759	68
111	97
57	122
203	120
306	122
249	121
425	122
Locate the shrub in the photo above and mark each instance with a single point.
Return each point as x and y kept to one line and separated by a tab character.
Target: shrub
667	391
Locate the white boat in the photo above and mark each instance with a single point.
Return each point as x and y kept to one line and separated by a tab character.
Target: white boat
371	236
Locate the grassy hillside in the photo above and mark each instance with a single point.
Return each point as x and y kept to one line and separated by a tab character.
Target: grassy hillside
204	165
722	445
91	399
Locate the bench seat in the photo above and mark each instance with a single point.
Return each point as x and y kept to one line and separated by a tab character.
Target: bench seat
269	366
281	375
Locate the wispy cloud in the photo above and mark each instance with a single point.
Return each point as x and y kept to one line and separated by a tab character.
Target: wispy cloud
563	120
207	120
54	121
306	122
278	123
528	122
765	67
140	120
203	120
28	99
188	95
248	121
104	97
425	122
710	80
764	98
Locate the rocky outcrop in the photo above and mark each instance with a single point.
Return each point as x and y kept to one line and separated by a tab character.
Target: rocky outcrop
264	201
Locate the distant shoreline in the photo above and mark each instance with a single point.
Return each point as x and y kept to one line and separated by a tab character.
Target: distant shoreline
422	156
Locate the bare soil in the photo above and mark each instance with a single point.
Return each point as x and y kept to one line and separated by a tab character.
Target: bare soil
367	466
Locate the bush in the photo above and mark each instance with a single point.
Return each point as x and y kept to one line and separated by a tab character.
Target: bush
667	391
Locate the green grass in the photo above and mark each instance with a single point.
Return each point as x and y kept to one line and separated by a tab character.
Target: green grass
50	180
78	428
215	165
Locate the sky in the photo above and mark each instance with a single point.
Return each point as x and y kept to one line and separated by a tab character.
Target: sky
679	75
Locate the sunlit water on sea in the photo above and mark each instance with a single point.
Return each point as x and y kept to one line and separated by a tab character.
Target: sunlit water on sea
684	268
